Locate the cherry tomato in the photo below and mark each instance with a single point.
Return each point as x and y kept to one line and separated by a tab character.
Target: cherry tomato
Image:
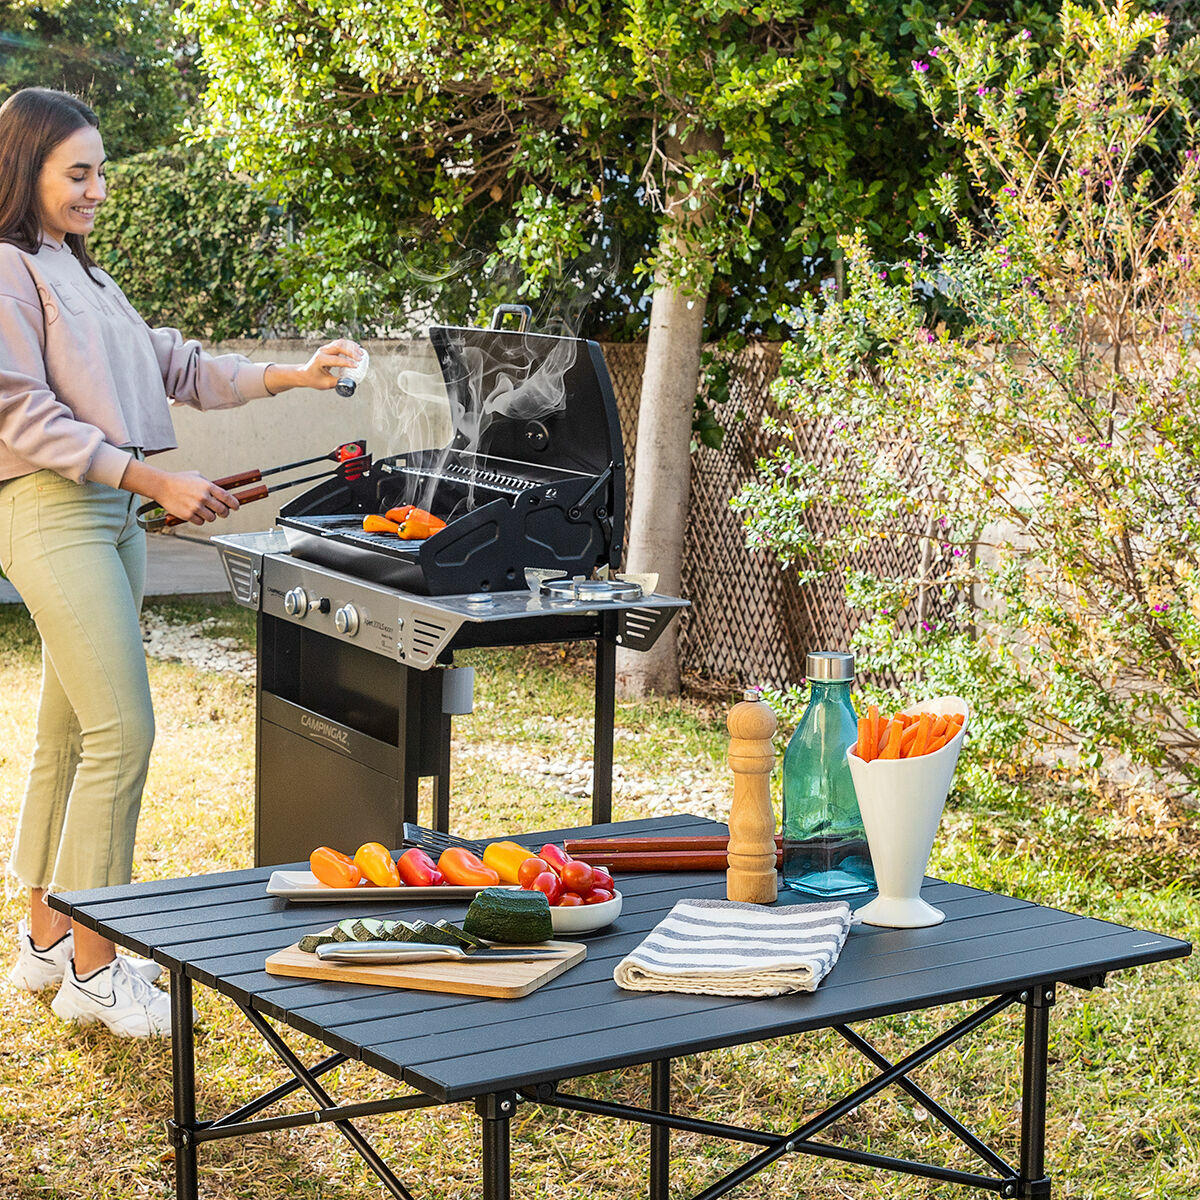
602	879
334	869
550	885
598	896
555	856
577	877
569	900
463	869
375	861
530	869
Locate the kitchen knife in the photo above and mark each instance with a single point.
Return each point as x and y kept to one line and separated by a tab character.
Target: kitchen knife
406	952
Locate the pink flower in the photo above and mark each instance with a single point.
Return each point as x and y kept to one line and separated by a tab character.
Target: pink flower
918	65
934	52
981	90
1025	35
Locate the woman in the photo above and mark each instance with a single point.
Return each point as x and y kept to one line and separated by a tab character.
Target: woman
84	386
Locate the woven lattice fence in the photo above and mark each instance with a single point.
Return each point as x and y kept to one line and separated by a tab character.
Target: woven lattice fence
751	620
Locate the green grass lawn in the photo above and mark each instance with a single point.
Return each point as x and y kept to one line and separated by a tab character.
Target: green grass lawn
81	1113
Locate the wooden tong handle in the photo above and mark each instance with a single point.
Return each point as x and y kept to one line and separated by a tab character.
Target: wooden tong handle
582	847
235	481
664	860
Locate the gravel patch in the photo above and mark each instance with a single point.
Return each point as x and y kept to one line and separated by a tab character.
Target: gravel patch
192	644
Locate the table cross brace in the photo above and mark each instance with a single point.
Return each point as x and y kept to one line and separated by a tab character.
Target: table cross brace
1007	1183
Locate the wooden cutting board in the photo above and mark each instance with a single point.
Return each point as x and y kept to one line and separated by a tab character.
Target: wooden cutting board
503	980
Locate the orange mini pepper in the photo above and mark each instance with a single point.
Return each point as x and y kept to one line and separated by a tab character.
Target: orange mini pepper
419	524
462	869
334	869
372	523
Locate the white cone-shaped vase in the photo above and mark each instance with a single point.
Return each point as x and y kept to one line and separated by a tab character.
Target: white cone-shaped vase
901	802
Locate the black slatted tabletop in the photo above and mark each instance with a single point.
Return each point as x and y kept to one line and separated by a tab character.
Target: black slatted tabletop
219	929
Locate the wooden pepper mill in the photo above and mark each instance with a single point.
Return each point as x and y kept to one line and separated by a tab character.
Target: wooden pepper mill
751	873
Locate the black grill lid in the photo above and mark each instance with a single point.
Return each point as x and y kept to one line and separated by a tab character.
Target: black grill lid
530	398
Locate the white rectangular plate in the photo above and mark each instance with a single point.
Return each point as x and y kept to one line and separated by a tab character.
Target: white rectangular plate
304	886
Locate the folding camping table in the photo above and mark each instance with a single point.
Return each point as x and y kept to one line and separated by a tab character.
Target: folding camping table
217	930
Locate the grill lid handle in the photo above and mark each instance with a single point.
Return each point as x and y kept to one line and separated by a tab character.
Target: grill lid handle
506	310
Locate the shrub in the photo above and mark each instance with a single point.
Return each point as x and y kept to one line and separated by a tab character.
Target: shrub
1044	375
190	245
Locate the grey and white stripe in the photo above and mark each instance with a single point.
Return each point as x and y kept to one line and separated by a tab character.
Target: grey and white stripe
725	948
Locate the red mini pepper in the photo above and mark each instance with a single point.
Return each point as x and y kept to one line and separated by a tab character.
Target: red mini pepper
556	856
417	869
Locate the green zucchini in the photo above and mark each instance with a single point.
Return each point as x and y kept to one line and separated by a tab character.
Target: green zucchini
509	915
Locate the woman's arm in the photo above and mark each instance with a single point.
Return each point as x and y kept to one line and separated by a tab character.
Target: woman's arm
184	494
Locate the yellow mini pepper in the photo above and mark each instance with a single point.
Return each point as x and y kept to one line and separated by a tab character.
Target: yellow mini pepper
504	858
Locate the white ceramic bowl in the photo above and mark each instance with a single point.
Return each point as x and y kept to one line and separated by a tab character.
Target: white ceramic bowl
584	918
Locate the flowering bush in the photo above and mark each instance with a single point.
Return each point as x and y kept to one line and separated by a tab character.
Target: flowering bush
1028	402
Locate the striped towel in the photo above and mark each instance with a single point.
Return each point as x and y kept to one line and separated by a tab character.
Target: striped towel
725	948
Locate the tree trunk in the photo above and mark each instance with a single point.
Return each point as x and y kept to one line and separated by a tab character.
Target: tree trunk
662	455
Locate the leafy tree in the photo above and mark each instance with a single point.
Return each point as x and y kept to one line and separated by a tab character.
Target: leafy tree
1057	427
721	146
118	55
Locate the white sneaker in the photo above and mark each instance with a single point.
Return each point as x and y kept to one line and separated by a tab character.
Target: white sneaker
117	997
37	969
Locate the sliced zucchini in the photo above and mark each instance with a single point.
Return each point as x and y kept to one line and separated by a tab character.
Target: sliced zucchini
368	929
460	935
310	941
343	931
433	935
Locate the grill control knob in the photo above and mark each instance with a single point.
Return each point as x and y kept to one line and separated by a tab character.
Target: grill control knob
295	602
345	620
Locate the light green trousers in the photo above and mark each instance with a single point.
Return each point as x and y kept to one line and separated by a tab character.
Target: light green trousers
77	557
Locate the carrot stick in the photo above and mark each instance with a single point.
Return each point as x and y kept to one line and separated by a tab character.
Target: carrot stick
910	736
873	719
884	733
892	749
939	727
864	747
956	719
921	741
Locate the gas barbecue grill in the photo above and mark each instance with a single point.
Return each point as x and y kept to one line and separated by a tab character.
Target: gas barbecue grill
534	476
357	632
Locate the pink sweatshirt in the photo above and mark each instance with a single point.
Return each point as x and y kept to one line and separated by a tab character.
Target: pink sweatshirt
83	378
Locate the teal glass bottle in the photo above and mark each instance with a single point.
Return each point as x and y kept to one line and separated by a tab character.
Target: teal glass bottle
825	850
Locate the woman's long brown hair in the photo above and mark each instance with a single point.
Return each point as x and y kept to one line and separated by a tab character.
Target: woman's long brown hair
32	122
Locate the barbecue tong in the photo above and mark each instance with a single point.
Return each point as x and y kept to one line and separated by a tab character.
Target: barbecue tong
351	457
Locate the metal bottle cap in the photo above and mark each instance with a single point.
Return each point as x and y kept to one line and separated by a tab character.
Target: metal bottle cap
829	665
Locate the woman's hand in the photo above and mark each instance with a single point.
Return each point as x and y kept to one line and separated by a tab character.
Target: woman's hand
184	494
319	372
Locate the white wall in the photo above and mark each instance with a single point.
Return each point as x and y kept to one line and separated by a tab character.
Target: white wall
400	406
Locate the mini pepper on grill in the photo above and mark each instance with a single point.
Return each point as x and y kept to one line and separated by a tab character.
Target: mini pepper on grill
419	524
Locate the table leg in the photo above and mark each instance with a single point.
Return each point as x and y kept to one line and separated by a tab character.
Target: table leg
1034	1183
183	1075
660	1135
496	1110
605	718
